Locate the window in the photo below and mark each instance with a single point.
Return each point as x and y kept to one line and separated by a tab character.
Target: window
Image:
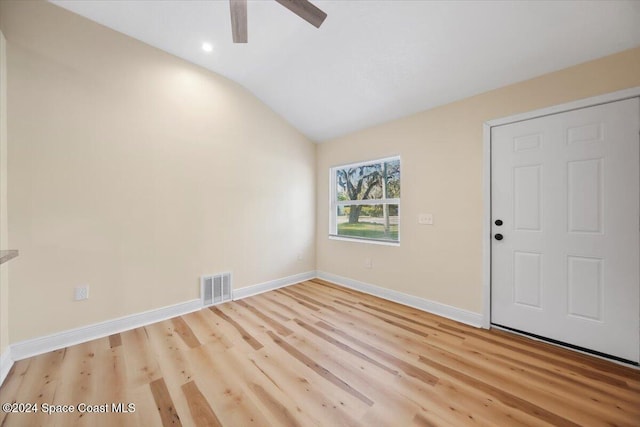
365	201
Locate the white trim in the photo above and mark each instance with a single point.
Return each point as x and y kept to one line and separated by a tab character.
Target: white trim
366	162
5	364
368	202
486	227
454	313
365	240
333	216
35	346
248	291
573	105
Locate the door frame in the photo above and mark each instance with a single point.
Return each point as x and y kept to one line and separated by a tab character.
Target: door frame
486	175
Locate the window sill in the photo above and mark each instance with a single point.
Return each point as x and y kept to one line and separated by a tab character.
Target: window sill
367	241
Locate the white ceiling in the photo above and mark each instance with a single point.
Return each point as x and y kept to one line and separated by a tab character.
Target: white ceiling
374	61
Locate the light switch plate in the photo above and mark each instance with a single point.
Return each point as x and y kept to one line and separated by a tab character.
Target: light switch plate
425	219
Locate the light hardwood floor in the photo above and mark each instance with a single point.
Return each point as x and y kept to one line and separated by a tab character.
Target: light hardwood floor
315	354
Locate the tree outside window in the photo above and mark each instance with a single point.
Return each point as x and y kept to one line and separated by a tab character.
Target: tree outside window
365	200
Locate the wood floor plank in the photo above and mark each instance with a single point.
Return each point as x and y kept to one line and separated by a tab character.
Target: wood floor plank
420	420
166	408
262	304
78	375
277	326
254	343
207	328
294	299
184	331
115	340
302	297
111	377
280	411
317	354
142	365
272	299
146	410
201	412
344	346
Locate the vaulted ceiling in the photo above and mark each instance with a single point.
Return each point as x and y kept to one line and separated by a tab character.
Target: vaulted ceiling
373	61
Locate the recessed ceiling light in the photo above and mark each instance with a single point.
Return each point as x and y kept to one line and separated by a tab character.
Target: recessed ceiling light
207	47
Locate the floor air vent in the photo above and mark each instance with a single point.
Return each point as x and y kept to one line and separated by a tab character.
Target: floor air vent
215	289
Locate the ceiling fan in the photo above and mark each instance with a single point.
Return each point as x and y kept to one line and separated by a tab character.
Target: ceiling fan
303	8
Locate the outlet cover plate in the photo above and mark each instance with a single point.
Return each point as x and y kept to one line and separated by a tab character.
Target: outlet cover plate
81	293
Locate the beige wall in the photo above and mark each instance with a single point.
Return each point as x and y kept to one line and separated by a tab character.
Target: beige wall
4	235
441	151
135	172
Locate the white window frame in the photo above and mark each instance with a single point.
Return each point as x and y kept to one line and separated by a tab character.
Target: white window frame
334	203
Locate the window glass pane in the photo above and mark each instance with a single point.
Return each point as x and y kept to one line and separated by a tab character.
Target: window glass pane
366	182
392	174
368	221
360	182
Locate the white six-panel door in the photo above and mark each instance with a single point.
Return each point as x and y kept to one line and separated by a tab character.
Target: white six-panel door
566	188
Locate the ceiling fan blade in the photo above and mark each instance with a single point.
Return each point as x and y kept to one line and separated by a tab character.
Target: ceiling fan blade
238	20
305	10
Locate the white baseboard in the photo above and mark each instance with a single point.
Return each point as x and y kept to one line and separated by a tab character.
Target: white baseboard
457	314
273	284
35	346
6	362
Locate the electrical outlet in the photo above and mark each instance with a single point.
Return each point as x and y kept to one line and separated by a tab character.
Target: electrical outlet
81	292
368	263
